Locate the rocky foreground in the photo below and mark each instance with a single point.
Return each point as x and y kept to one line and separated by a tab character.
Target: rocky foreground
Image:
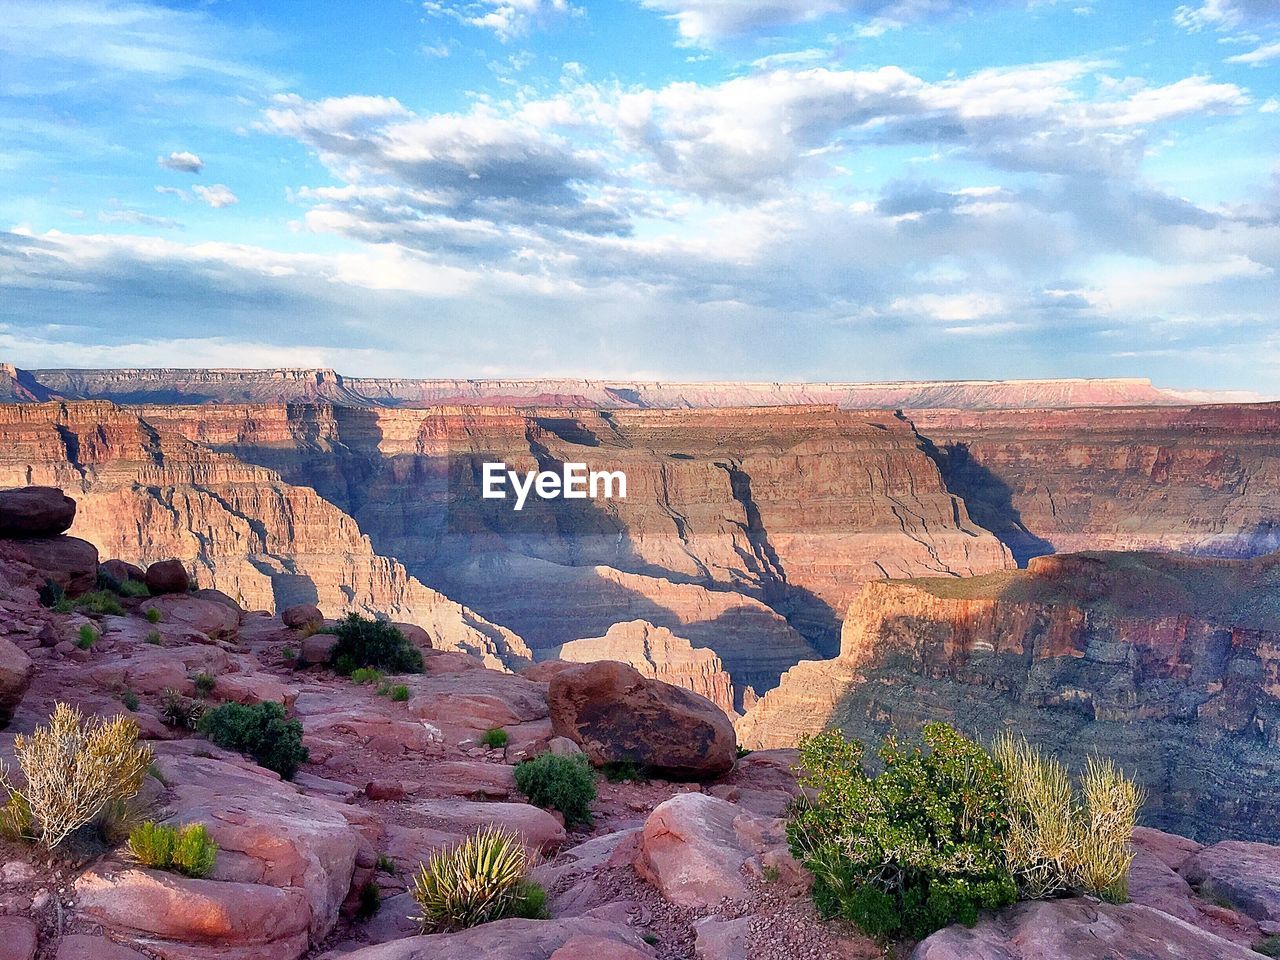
690	865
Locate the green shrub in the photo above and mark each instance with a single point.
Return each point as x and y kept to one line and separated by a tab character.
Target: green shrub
101	602
133	588
130	700
373	643
1269	947
1060	838
86	637
153	614
179	711
399	693
386	864
530	902
51	595
289	654
262	731
365	675
559	783
912	850
481	879
494	738
186	850
154	638
369	902
624	771
204	683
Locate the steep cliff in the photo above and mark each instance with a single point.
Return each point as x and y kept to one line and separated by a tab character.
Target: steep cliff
1195	479
657	653
161	385
147	493
1170	665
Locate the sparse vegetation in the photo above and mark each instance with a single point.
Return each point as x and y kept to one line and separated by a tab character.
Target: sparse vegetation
559	783
263	731
369	903
72	769
483	878
362	676
911	850
372	643
133	588
100	602
386	864
154	638
399	693
624	771
179	711
204	683
86	637
186	850
51	594
1269	947
494	738
1060	838
130	700
153	614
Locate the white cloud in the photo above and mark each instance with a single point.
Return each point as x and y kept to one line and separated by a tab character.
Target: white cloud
1258	57
508	19
1222	14
182	161
217	195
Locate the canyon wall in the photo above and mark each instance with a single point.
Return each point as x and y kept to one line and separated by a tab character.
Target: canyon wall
1169	665
1194	479
299	384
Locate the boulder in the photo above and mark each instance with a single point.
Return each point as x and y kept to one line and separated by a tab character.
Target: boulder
544	671
615	714
250	688
693	848
1079	929
18	935
217	596
35	512
15	677
721	939
122	572
302	616
563	747
215	620
168	576
415	635
475	779
69	562
541	831
1169	848
318	648
1153	883
574	880
517	940
1245	875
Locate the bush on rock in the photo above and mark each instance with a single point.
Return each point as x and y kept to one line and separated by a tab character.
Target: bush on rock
186	850
484	878
372	643
559	783
263	731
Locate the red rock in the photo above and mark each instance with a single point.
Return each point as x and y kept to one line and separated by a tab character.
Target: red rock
1245	875
474	779
720	939
540	830
414	634
78	946
543	671
384	790
1154	884
35	512
303	616
168	576
15	676
615	714
1079	930
253	688
217	596
1169	848
69	562
318	648
122	572
213	619
18	938
513	940
586	947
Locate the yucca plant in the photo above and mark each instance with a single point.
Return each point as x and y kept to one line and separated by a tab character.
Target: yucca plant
1043	818
474	882
73	769
1105	848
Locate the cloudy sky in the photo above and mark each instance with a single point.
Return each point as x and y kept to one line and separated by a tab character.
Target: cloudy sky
754	189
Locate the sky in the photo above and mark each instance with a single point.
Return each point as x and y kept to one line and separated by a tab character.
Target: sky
658	189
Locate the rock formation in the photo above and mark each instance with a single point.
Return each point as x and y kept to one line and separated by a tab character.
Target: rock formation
659	654
1170	665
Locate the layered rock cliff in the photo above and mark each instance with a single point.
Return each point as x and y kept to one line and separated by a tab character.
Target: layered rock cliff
1194	479
147	493
161	385
1170	665
659	654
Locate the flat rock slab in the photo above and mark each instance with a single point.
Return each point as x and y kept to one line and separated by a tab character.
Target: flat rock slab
78	946
517	940
1246	875
1079	930
541	831
18	938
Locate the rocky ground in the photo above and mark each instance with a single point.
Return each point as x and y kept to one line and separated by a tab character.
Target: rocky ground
694	865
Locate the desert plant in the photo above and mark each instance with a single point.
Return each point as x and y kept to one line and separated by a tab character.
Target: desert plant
399	693
530	902
624	771
86	637
186	850
373	643
153	615
911	850
262	731
1111	805
133	588
480	879
179	711
204	683
560	783
130	700
73	768
1043	816
1268	947
51	594
494	738
386	864
362	676
369	901
154	638
15	819
101	602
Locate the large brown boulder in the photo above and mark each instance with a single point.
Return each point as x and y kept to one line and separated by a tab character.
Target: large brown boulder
35	512
167	576
303	616
69	562
616	715
1245	875
212	618
15	676
121	572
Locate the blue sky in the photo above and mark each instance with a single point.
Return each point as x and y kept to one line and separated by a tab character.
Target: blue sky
681	189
